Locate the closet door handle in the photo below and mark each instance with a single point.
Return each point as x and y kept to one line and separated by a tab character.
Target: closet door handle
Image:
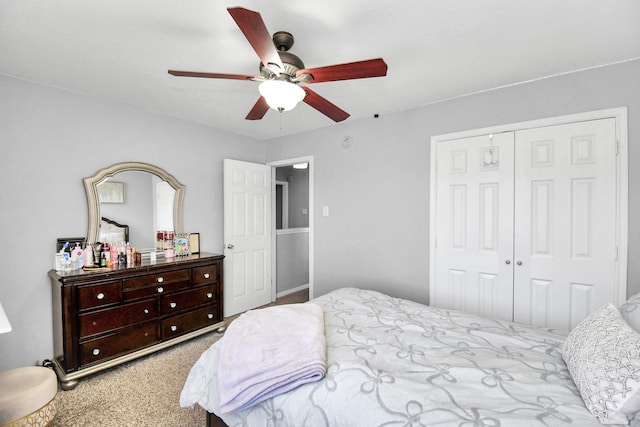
507	262
519	262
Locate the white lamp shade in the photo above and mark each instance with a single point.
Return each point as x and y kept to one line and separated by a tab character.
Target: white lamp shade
281	95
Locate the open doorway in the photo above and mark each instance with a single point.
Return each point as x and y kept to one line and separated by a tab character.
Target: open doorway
292	219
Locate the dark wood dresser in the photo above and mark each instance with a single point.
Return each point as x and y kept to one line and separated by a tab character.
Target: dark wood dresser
104	318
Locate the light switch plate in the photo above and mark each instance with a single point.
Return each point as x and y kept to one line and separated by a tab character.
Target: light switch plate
325	211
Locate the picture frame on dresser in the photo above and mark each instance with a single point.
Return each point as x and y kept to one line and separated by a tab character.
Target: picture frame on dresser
194	243
181	244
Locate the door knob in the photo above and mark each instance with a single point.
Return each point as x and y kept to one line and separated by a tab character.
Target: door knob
519	262
230	246
507	262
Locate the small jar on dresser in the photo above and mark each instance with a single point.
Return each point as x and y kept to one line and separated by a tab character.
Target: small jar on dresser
106	317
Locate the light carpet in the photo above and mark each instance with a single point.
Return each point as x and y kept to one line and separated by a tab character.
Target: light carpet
144	392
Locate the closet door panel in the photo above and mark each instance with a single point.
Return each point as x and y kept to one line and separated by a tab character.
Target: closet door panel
475	226
565	222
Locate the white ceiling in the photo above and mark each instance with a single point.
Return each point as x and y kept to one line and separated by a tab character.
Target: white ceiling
120	50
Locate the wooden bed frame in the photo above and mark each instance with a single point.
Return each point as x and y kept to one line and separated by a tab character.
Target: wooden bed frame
214	421
124	227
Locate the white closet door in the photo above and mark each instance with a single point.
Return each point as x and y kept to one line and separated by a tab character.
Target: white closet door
473	260
565	222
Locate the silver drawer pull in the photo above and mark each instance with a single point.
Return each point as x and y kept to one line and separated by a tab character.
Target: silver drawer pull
206	275
100	296
209	295
173	305
210	316
174	328
160	279
146	311
96	351
160	289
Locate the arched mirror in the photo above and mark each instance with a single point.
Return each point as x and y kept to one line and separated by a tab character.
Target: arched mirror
139	197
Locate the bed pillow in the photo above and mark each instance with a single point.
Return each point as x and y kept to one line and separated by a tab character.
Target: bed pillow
603	357
630	311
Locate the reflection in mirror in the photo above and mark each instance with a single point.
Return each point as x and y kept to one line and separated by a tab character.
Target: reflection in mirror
292	197
112	232
146	206
141	196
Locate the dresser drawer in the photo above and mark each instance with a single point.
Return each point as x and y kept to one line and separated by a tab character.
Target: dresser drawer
180	301
100	294
155	284
100	321
207	275
122	342
187	322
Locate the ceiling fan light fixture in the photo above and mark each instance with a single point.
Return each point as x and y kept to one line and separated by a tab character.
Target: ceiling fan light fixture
281	95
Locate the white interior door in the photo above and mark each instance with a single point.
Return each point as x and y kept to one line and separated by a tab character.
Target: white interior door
247	236
473	261
565	225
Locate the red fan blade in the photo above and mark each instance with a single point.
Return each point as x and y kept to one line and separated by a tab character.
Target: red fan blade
259	109
254	29
324	106
210	75
352	70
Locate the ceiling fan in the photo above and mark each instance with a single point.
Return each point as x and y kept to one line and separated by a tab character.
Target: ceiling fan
281	72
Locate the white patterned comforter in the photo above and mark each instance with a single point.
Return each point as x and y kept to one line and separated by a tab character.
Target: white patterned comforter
394	362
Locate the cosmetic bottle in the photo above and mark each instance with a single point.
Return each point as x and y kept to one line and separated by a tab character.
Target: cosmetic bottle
113	249
88	256
129	254
77	257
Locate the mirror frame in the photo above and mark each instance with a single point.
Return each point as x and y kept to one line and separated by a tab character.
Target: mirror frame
93	203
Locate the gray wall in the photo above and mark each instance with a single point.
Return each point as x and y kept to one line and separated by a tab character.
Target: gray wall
298	180
50	139
376	235
377	191
292	261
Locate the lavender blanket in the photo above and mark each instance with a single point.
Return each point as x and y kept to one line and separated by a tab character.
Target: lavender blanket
268	352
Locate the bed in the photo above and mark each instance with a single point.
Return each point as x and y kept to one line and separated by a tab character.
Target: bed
112	232
394	362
